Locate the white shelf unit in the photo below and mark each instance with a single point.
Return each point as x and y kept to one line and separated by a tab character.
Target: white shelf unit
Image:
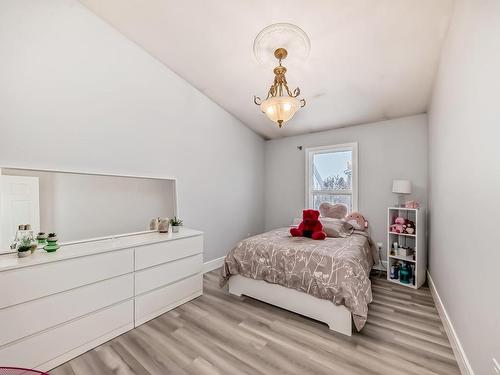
416	241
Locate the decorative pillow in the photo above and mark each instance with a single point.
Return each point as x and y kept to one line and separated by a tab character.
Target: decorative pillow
334	211
336	228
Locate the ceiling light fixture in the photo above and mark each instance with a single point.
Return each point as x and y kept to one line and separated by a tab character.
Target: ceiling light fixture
280	104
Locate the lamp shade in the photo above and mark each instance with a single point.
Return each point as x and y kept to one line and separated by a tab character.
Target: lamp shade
401	186
280	108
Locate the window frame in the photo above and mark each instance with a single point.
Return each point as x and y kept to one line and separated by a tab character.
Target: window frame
309	181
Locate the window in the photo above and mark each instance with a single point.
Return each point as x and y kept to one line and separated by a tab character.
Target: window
332	175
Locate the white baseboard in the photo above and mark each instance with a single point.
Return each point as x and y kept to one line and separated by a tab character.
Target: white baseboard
380	267
213	264
458	350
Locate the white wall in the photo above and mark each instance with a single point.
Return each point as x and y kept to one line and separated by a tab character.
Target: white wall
464	129
76	95
387	150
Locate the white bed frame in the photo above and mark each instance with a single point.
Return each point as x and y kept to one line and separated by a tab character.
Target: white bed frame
338	318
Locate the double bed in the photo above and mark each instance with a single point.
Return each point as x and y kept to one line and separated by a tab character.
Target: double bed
326	280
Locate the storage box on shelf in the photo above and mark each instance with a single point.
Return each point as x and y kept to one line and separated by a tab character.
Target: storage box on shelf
410	255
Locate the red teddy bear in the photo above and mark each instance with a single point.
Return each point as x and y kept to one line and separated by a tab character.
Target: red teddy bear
310	227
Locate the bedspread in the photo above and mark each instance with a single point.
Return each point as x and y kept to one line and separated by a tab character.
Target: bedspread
336	269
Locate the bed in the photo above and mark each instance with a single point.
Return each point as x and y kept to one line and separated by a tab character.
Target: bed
324	280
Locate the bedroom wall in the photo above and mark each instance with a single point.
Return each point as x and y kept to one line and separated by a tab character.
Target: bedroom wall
464	174
76	95
387	150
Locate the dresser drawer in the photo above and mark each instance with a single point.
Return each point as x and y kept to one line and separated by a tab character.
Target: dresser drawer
162	252
42	350
29	283
47	312
159	301
166	273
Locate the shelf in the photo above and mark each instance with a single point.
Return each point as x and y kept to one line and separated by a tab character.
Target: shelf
403	234
404	209
415	241
406	259
395	281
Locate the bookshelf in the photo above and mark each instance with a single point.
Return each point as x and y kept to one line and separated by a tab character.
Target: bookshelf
414	244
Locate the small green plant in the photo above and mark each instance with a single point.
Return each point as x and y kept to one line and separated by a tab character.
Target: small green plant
24	244
176	222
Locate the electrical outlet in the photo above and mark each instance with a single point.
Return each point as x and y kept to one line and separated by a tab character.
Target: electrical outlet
380	245
496	366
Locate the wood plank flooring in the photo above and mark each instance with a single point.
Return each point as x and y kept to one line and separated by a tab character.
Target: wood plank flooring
221	334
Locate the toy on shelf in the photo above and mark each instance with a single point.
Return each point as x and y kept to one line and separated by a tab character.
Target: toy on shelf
412	204
399	225
403	226
410	227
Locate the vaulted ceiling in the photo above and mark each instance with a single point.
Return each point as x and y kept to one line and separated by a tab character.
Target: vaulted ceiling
369	60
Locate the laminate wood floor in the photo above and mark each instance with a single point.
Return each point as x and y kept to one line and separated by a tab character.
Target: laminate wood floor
221	334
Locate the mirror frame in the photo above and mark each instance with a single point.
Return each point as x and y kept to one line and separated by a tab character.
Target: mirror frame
176	199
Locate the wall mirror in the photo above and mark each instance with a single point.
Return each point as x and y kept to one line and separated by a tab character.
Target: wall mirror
79	206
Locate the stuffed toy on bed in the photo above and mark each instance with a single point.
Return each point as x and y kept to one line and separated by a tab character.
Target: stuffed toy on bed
310	226
357	220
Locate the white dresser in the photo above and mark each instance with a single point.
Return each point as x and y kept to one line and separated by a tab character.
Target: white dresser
54	307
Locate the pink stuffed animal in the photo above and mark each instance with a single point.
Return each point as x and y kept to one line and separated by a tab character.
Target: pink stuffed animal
399	225
357	220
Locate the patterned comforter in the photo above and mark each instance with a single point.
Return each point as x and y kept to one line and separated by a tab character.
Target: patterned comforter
336	269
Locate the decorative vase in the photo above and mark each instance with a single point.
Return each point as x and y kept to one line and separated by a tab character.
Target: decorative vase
23	254
154	223
404	274
42	238
51	244
175	228
163	225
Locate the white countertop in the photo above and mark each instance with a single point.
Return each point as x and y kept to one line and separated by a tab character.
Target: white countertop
84	248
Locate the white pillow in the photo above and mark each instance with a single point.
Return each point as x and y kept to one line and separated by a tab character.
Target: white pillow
336	228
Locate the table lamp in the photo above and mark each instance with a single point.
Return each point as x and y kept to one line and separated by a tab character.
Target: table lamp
402	188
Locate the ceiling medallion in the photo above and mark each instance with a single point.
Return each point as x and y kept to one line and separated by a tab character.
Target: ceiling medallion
284	35
280	104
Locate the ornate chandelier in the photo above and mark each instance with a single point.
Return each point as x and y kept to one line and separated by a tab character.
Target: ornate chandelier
280	104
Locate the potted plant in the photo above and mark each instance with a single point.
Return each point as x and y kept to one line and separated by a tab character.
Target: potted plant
24	247
176	223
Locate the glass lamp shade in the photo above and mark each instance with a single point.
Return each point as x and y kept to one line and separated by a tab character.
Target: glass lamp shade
280	109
